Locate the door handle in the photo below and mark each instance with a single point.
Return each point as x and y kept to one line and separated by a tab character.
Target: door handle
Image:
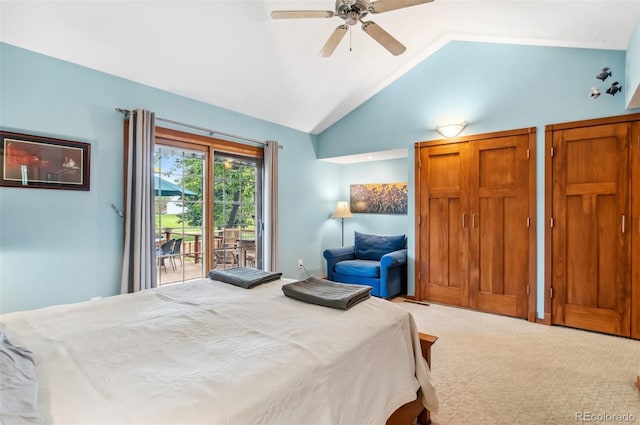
623	223
473	221
463	214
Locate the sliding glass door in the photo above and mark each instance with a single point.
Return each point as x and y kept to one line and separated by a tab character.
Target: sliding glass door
179	213
208	208
237	208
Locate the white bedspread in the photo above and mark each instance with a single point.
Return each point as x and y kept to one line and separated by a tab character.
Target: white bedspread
211	353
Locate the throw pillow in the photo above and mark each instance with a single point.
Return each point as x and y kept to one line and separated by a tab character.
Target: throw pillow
373	247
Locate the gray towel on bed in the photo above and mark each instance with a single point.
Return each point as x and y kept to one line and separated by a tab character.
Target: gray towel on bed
18	384
244	277
326	293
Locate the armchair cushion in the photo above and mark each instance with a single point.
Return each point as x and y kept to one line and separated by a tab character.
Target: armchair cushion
373	247
361	268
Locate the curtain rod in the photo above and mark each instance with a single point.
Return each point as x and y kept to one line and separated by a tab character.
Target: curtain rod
127	113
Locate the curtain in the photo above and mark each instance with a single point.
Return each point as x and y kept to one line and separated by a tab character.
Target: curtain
138	265
271	206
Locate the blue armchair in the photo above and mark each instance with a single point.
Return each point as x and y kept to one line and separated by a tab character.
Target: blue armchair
374	260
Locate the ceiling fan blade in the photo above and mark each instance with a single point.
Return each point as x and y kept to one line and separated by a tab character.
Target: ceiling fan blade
387	5
297	14
333	41
384	38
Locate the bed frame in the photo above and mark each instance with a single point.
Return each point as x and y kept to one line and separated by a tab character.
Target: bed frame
407	413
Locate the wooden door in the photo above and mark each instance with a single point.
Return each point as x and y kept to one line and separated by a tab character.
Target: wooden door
590	235
442	247
635	231
499	233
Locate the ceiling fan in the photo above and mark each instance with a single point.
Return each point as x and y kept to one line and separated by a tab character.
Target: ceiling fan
352	12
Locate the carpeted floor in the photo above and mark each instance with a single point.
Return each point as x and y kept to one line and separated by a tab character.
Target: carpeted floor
491	369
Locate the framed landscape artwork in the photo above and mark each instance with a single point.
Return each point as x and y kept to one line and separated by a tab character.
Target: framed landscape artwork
42	162
379	198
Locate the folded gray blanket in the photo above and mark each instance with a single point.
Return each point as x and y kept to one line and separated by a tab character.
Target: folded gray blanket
18	384
326	293
244	277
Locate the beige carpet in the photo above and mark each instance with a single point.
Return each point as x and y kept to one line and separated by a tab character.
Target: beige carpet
491	369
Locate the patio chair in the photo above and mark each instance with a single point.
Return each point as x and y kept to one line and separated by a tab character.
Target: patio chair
164	252
175	252
250	258
227	254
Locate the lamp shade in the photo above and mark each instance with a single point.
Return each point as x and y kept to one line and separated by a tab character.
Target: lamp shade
342	210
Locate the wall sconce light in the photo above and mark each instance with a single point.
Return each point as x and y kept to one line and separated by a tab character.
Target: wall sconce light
342	211
451	130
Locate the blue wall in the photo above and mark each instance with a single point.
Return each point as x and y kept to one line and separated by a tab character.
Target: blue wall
390	171
493	86
66	246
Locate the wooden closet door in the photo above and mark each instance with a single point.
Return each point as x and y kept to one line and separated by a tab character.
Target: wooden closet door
590	236
499	240
635	231
443	220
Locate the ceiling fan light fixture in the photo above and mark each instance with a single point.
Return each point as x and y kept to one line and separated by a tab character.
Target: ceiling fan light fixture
352	12
451	130
351	18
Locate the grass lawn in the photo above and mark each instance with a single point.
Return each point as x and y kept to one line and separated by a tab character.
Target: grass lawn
172	221
168	220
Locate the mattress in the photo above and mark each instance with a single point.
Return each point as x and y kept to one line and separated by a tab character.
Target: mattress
207	352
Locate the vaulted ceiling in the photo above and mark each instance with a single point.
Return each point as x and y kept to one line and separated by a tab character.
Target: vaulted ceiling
233	55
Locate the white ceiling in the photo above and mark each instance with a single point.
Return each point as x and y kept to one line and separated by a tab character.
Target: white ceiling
233	55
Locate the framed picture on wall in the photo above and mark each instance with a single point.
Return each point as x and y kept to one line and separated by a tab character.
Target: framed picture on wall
379	198
43	162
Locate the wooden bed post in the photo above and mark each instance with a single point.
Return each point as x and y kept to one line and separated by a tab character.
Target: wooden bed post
407	413
426	341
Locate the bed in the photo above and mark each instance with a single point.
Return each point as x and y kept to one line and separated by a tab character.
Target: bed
206	352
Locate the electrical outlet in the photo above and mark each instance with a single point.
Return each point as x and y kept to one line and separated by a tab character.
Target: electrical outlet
300	264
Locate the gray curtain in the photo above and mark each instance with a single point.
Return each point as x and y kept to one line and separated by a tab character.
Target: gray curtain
271	206
138	265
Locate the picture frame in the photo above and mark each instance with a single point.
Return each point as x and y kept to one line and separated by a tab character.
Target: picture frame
37	162
379	198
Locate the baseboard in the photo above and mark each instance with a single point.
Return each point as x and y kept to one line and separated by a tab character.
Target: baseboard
407	300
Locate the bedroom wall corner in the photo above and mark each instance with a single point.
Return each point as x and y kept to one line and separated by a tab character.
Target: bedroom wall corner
383	171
